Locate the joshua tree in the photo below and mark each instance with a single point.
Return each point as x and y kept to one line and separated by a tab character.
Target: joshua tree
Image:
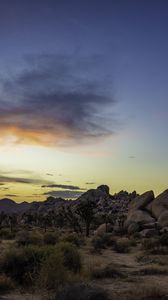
70	215
12	221
86	210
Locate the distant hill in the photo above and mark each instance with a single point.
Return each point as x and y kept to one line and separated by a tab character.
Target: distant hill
9	206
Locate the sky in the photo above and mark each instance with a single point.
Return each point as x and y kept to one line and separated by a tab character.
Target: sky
83	97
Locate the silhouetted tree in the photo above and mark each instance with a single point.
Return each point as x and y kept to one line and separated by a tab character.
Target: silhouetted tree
86	210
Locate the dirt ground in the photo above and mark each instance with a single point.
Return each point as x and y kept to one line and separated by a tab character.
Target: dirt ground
127	263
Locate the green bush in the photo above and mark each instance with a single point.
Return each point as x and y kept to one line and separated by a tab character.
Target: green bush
51	238
72	257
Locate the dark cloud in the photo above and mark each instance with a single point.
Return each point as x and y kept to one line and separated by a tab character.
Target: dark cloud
6	179
48	174
90	183
62	186
10	195
64	194
56	100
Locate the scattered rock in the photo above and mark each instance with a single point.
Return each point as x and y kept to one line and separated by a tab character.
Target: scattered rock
147	233
164	230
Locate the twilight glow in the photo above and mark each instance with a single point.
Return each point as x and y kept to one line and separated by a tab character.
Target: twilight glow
83	97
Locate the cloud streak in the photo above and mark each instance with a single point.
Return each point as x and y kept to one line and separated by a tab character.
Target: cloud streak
33	181
56	101
62	186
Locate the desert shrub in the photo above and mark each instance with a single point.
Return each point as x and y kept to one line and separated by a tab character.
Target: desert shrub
98	243
25	238
51	238
74	239
23	264
53	273
153	270
22	238
7	234
122	245
107	272
144	258
72	257
35	238
81	292
6	284
154	246
163	239
144	293
148	244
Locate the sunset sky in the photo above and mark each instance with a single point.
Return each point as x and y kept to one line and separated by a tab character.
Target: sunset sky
83	97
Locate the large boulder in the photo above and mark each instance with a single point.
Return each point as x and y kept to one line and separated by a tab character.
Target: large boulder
160	204
141	201
104	188
133	228
163	219
99	194
103	228
138	216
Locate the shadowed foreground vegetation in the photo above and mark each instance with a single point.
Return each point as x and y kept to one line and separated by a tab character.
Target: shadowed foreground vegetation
53	265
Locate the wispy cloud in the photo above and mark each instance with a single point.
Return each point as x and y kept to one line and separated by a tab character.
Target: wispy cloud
56	100
90	183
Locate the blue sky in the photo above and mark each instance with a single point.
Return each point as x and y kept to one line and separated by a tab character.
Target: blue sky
86	79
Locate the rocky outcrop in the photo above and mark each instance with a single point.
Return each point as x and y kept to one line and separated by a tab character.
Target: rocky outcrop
139	215
146	213
160	204
142	201
163	219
